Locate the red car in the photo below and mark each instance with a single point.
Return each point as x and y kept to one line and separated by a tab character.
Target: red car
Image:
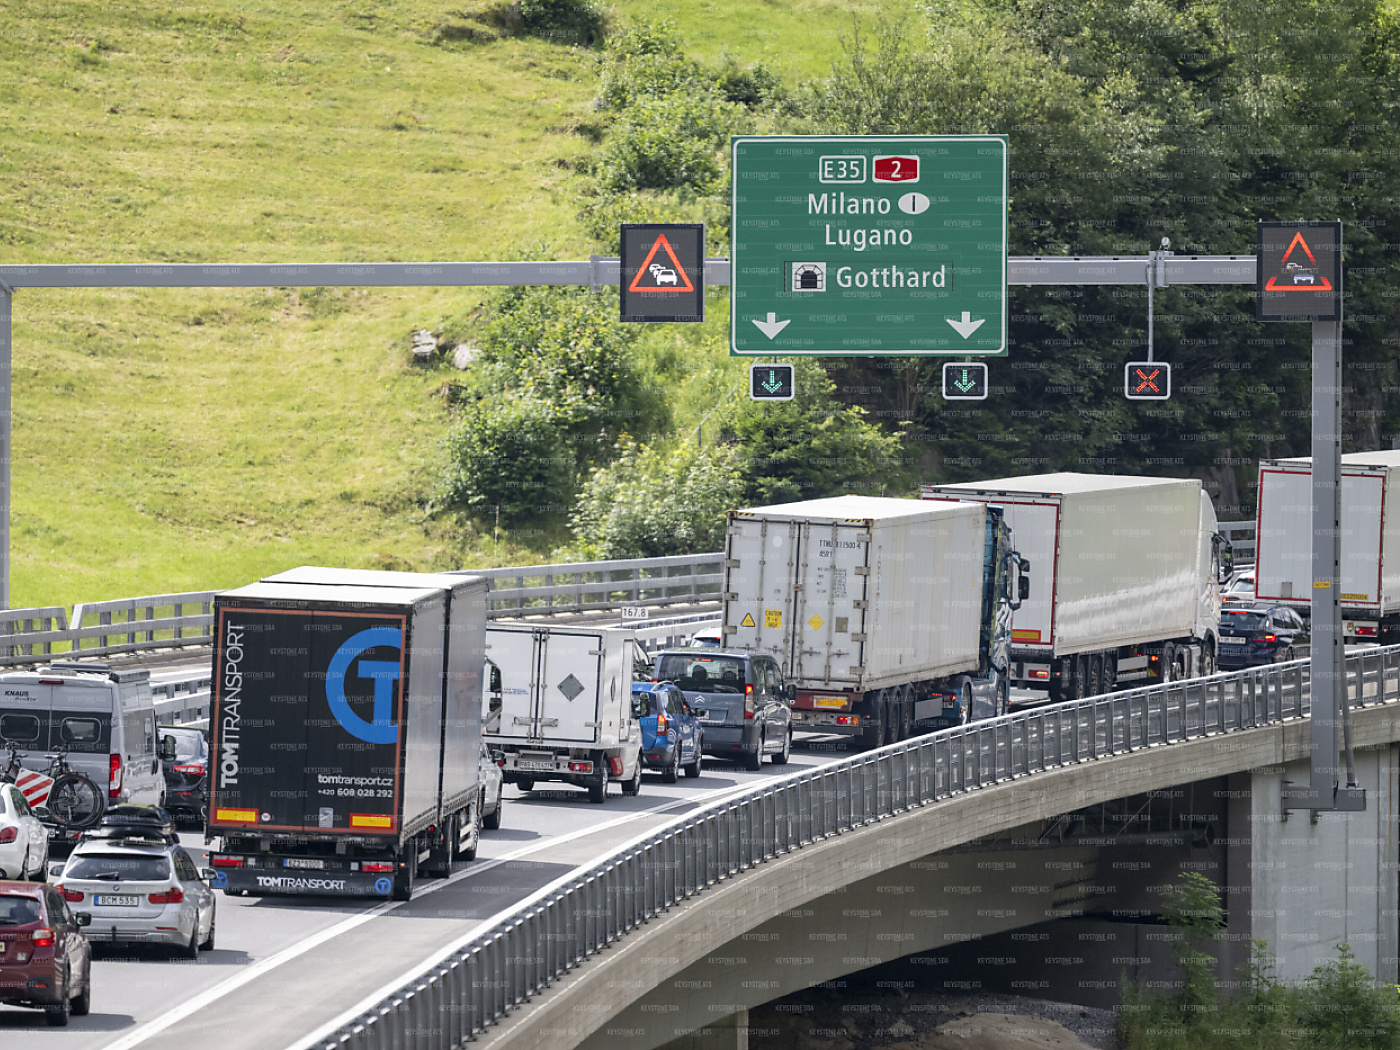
45	960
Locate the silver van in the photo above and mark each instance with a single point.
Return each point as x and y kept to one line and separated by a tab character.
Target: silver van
105	718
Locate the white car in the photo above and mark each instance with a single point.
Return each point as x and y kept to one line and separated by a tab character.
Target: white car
709	638
24	841
138	883
1241	588
492	784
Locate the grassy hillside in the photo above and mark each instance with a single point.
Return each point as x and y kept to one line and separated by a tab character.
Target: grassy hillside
173	440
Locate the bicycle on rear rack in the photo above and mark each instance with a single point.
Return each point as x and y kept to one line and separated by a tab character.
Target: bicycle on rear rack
74	803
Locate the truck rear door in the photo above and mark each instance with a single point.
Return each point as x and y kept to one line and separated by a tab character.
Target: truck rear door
568	694
515	656
832	603
760	559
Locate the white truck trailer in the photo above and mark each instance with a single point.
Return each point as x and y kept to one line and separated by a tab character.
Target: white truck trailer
557	702
1370	577
886	614
1127	578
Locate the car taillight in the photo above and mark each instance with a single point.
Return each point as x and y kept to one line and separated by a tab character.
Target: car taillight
114	776
194	771
226	862
43	937
748	701
661	723
174	895
70	895
1270	638
376	866
9	834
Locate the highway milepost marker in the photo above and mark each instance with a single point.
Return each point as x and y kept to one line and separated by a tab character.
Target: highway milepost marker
869	245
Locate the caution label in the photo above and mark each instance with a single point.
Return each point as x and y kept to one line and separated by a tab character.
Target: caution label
747	621
816	623
772	617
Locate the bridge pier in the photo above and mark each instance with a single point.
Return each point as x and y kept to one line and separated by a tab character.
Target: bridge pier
1303	883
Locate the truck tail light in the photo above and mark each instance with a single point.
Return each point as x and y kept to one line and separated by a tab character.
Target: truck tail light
1041	675
748	701
226	862
848	720
376	866
114	776
1364	631
9	834
43	937
174	895
580	767
73	896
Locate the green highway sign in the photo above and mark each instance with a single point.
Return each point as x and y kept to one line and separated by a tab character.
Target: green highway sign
869	245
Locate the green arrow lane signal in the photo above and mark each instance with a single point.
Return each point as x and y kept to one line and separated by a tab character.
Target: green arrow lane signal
772	382
964	382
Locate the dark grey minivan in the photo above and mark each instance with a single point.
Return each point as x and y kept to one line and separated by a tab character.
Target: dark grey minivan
747	705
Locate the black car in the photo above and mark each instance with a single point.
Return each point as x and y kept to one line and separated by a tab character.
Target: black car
1262	634
186	774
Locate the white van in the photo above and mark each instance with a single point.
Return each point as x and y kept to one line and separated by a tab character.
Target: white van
105	718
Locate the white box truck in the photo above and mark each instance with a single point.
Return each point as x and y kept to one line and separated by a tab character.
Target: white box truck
1126	572
1370	568
557	702
884	614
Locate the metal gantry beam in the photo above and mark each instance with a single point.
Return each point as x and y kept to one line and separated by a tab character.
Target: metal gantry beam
595	272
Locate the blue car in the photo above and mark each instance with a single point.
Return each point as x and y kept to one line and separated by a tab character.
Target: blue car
671	734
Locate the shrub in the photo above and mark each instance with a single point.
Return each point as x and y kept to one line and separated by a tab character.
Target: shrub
506	452
563	21
671	140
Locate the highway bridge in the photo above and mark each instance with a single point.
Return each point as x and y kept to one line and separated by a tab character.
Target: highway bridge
636	923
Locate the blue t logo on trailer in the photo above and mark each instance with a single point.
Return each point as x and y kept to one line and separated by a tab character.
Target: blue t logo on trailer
382	730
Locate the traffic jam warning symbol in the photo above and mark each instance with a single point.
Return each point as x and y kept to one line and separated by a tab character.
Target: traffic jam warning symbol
1299	266
662	272
1147	381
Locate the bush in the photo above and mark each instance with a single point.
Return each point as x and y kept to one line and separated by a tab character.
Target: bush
652	503
563	21
647	60
506	452
672	140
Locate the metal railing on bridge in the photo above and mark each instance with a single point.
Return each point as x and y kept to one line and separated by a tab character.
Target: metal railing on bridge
169	621
496	970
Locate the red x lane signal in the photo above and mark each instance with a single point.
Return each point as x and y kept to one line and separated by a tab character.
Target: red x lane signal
1147	381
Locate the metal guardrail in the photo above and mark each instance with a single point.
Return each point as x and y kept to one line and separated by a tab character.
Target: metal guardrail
494	971
1241	536
167	621
182	700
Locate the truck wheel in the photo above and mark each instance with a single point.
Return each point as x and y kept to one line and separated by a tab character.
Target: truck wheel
1208	663
965	702
525	784
474	815
1093	681
874	733
598	793
403	881
634	786
906	715
1167	664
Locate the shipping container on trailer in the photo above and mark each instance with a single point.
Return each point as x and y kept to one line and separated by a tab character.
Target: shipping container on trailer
329	710
1125	577
558	704
883	613
1370	540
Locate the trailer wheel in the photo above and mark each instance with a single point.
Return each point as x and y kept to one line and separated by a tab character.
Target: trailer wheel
403	879
1093	680
873	735
906	713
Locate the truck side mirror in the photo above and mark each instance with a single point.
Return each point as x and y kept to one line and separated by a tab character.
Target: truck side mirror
791	693
167	748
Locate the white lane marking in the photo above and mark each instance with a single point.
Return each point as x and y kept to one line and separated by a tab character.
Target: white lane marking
257	969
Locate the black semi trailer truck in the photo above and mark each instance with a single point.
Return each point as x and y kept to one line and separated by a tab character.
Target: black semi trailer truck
346	729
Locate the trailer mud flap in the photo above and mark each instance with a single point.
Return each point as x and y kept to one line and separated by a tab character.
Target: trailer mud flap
307	884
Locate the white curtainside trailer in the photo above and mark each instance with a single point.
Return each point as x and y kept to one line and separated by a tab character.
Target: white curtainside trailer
1126	578
882	612
1370	524
558	704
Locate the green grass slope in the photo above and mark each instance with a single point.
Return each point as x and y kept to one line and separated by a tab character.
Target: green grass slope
171	440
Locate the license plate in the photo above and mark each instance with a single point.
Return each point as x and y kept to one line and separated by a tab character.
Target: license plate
1232	641
712	720
830	701
302	862
526	763
110	901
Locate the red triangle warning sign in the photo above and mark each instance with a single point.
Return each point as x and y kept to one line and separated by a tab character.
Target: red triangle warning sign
1298	276
657	276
